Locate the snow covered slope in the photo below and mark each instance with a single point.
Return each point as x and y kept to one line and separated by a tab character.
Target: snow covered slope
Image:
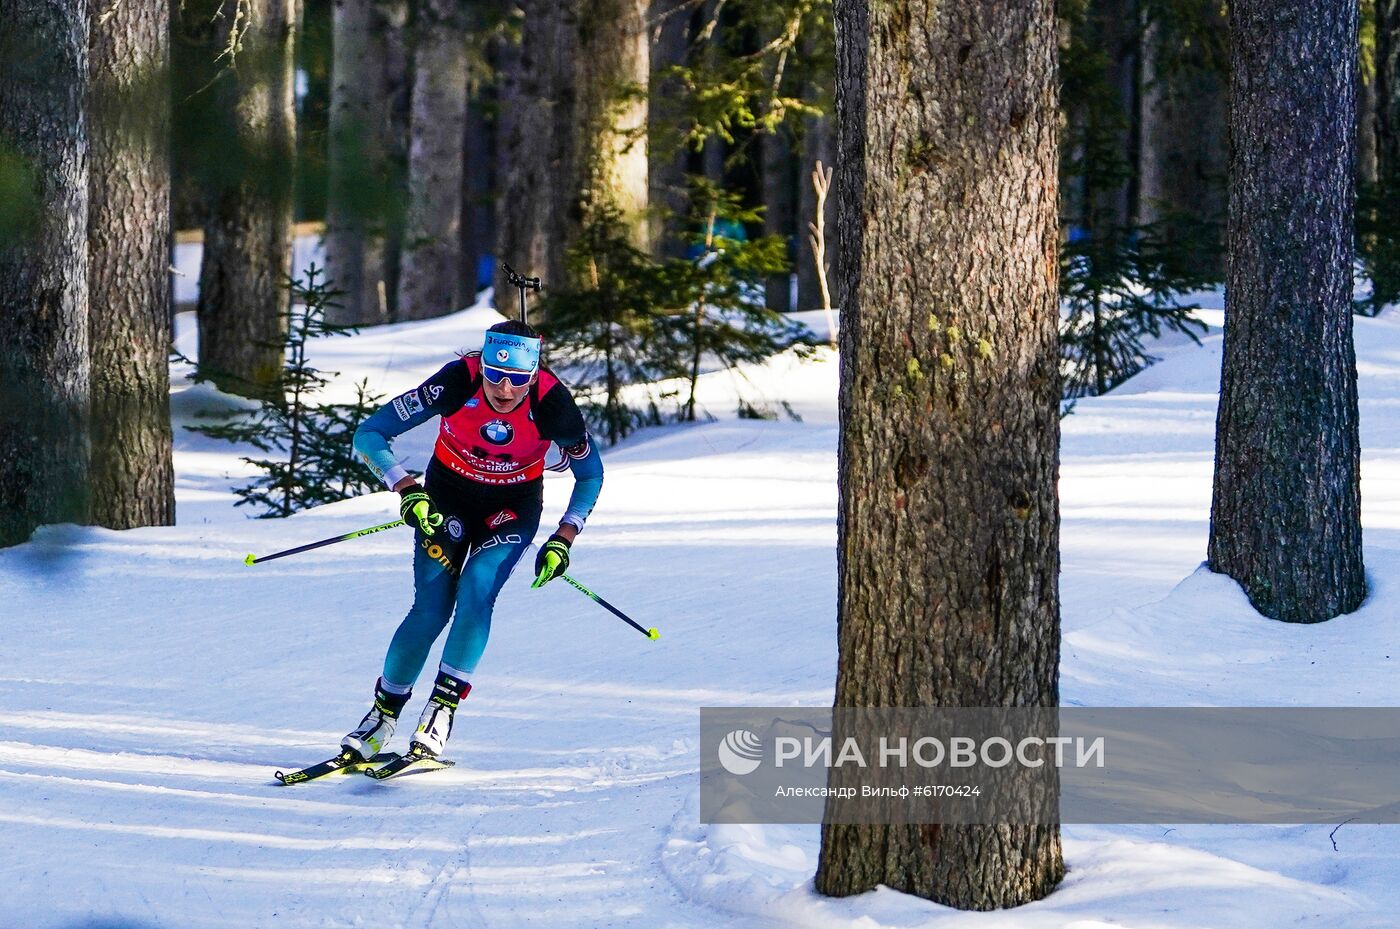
152	684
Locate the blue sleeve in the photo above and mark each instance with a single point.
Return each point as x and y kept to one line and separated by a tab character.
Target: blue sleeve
372	441
444	391
587	467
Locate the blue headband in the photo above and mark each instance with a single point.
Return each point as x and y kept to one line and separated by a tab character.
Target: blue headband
517	352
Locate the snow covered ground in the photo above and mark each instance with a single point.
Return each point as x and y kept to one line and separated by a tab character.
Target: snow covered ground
152	683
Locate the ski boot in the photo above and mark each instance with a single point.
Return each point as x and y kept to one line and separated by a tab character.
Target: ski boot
377	728
435	725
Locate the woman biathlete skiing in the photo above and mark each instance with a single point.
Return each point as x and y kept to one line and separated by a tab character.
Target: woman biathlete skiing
475	517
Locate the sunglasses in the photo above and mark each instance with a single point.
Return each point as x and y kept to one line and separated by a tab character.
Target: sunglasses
516	378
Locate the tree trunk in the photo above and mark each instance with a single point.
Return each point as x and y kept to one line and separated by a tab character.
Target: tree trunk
1182	158
45	387
478	201
392	20
1120	32
574	133
1387	127
779	192
132	475
428	269
948	529
612	71
715	151
358	191
1366	114
1285	518
247	232
667	155
712	160
538	161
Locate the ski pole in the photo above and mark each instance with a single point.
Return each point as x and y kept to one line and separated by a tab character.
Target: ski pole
254	559
649	633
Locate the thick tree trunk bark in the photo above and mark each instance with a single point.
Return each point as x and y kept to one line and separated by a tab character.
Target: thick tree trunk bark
248	230
358	191
1285	518
44	360
132	475
428	270
574	133
1387	127
779	194
948	531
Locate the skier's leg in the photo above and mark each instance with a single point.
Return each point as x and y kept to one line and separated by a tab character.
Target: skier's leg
483	576
434	590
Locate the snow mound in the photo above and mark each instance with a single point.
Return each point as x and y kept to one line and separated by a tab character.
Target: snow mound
1143	877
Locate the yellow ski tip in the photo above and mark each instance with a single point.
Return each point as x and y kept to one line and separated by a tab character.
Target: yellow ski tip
652	633
250	560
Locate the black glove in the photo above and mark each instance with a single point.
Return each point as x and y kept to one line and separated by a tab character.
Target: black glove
416	508
552	560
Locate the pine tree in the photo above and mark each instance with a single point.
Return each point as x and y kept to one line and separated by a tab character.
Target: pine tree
1120	279
1378	242
611	328
743	100
312	442
1119	290
726	321
636	320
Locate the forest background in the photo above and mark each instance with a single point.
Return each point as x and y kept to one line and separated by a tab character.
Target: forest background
661	166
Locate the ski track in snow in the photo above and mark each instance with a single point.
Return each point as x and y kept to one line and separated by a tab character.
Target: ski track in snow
154	683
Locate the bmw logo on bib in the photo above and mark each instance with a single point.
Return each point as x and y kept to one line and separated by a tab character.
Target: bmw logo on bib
497	432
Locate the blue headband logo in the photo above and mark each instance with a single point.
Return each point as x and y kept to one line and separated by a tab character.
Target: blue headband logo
503	350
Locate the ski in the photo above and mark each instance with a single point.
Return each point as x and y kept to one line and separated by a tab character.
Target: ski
412	763
346	762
